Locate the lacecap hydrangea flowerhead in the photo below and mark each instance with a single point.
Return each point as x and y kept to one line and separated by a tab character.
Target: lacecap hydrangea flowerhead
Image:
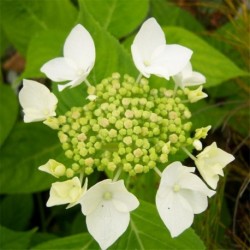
127	128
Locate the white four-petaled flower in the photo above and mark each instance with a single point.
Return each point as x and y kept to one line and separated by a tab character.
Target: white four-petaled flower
152	55
106	206
188	77
181	194
78	60
65	192
210	163
37	101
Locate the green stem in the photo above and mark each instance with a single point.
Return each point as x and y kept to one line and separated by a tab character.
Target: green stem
138	78
87	82
189	154
158	171
117	174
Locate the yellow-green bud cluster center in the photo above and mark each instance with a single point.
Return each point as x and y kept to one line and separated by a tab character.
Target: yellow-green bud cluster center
129	126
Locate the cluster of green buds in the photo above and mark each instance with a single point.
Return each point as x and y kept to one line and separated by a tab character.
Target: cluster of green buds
128	126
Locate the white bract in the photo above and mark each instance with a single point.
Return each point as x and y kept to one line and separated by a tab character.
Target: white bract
181	194
37	101
54	168
152	55
188	77
106	206
65	192
210	163
78	60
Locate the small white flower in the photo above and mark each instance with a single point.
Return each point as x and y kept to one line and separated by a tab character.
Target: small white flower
54	168
106	206
78	60
210	163
188	77
91	97
181	194
64	192
195	95
37	101
152	55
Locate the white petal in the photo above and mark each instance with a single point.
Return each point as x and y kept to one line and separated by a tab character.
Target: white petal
172	57
73	83
93	197
195	79
123	200
106	224
138	61
193	182
60	69
196	200
173	173
149	38
37	101
175	212
80	48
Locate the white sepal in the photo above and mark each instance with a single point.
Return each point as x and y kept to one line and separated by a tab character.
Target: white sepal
37	101
188	77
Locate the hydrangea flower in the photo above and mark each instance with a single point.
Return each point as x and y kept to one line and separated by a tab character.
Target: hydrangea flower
210	163
78	60
188	77
54	168
37	101
65	192
181	194
152	55
106	206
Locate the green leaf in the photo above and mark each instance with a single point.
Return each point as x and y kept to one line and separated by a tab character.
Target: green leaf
119	17
75	242
10	240
216	67
8	111
31	17
17	211
27	148
169	14
43	47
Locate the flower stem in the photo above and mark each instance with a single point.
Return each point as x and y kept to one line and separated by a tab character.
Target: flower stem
87	82
117	174
138	78
157	171
81	176
189	154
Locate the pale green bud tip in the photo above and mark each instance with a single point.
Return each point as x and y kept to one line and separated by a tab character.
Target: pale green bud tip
52	122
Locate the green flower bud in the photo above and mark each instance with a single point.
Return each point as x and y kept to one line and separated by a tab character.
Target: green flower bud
69	173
